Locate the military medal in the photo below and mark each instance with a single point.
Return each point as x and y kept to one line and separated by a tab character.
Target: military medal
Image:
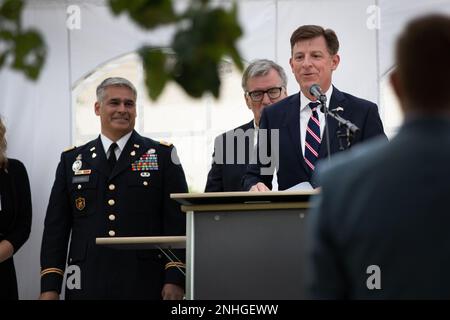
148	161
77	164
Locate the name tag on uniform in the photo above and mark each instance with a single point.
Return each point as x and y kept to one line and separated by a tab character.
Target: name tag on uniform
78	179
81	172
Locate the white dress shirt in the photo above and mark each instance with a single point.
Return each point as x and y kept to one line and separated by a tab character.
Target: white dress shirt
120	143
306	112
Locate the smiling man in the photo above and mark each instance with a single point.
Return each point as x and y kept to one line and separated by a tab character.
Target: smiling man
300	123
117	185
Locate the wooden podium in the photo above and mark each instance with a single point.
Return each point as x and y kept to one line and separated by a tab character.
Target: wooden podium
245	245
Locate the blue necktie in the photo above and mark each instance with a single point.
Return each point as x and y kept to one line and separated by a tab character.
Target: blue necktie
312	137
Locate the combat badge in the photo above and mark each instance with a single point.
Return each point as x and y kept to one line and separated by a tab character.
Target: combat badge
76	166
80	203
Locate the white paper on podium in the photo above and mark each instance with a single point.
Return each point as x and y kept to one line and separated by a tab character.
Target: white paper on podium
302	186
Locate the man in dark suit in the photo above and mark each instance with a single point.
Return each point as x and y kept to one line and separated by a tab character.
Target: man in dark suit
379	229
264	83
295	126
117	185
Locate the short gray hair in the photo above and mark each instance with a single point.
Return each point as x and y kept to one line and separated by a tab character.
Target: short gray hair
261	67
116	82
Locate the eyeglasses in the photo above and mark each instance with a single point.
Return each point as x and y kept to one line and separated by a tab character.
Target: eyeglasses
258	95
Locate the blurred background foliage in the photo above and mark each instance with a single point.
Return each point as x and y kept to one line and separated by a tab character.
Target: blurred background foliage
22	50
204	35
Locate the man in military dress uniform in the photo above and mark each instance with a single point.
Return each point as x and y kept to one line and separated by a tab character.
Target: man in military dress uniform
117	185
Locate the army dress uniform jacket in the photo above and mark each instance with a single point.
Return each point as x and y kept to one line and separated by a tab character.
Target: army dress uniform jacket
89	200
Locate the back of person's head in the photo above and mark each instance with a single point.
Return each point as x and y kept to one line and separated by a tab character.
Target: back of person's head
307	32
261	67
116	82
3	159
423	65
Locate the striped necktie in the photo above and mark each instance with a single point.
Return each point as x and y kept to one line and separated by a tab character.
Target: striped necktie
312	138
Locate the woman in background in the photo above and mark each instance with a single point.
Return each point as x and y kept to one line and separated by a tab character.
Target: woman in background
15	216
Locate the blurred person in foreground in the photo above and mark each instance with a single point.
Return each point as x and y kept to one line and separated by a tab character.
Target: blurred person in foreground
380	227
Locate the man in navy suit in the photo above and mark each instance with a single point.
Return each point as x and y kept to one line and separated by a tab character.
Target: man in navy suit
380	228
264	83
314	57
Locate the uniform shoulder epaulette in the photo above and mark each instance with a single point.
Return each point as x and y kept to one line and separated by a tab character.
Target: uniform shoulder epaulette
165	143
69	148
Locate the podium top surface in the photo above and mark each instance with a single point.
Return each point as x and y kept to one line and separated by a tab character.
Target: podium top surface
243	197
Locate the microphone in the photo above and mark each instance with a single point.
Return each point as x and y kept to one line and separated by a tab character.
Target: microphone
316	91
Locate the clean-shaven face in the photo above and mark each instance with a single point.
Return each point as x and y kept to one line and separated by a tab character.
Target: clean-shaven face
311	63
117	111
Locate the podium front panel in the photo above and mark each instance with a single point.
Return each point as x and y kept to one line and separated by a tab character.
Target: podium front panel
247	254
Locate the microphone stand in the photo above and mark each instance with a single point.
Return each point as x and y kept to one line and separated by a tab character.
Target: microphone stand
323	101
351	129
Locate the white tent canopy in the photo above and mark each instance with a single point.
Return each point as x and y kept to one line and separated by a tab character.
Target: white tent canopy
39	115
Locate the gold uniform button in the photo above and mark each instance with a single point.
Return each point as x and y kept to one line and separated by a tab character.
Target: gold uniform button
111	187
145	183
112	233
111	202
112	217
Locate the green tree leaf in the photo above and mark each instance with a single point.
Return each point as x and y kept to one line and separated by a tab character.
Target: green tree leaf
3	56
201	47
29	52
205	35
11	9
156	75
146	13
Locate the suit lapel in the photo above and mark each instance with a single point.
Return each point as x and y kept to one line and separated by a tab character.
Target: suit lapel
95	156
249	125
337	100
248	146
292	121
